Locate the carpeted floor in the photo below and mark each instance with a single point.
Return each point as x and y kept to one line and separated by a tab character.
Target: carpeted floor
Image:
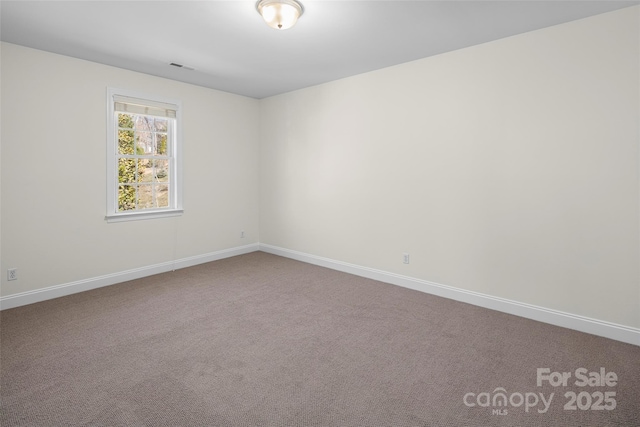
260	340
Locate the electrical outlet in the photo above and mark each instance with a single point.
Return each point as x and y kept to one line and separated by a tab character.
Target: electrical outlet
12	274
405	258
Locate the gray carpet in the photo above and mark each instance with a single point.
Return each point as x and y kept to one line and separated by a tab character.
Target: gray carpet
260	340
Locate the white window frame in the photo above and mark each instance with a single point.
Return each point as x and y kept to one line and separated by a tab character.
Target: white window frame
175	164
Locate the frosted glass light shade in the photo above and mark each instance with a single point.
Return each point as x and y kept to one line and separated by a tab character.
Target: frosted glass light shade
280	14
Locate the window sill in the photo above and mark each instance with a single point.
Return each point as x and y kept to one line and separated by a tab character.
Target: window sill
137	216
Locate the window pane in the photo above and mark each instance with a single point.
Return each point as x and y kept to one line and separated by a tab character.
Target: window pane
126	197
162	195
144	123
161	125
161	170
145	170
126	170
145	196
161	144
125	142
144	143
125	121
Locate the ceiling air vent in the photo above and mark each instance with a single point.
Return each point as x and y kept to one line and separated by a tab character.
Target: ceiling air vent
186	67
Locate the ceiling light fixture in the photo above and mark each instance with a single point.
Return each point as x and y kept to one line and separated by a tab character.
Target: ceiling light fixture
280	14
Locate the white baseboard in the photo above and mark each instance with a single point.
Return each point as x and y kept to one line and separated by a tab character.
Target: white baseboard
571	321
30	297
566	320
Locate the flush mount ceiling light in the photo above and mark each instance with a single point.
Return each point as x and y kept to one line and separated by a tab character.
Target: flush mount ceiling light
280	14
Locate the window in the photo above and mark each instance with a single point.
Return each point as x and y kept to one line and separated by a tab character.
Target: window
143	155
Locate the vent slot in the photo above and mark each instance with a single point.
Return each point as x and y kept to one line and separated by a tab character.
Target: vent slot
186	67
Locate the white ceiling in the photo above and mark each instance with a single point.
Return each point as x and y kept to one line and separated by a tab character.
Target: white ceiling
233	50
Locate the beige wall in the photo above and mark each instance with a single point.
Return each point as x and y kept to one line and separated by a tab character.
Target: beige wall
54	173
509	168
